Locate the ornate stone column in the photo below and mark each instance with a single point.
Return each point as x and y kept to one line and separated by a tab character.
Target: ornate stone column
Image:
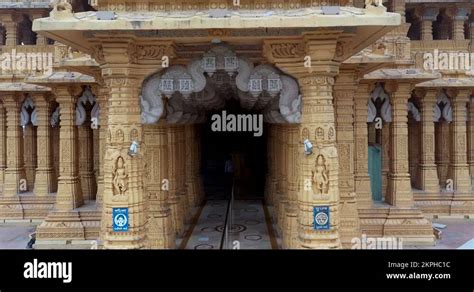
192	169
3	146
86	161
271	199
69	195
29	154
459	16
361	168
344	93
182	191
470	132
45	179
160	228
386	157
399	186
427	16
428	173
123	171
173	173
319	171
102	99
10	23
281	182
40	39
458	169
290	229
15	170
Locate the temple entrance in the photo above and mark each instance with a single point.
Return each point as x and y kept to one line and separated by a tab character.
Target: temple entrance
243	151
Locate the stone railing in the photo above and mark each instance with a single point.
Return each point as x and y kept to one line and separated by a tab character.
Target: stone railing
184	5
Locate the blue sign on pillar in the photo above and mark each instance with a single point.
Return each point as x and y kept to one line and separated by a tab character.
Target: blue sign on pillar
321	218
120	219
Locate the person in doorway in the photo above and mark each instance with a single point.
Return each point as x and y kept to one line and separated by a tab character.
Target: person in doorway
229	175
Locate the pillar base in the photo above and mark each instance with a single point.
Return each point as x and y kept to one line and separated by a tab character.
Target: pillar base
290	230
12	181
11	208
176	216
429	181
349	226
399	190
160	233
462	180
44	180
446	205
409	224
88	186
61	225
362	190
68	229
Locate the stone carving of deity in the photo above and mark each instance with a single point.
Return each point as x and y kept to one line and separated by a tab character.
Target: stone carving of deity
320	175
120	177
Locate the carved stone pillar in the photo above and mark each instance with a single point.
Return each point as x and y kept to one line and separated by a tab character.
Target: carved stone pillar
459	16
361	168
386	154
399	186
192	186
15	170
290	229
198	167
40	39
322	167
428	174
427	16
283	183
86	161
183	199
344	92
398	6
11	29
272	168
160	228
470	132
173	173
102	99
268	175
319	171
45	179
3	146
123	172
69	195
29	154
458	169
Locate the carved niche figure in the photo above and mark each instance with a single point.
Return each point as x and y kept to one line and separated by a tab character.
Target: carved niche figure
120	177
320	175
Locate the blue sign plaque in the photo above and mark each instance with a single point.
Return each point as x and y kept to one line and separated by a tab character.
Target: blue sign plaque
120	219
321	218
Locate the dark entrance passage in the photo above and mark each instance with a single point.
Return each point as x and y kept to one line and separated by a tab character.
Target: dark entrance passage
247	152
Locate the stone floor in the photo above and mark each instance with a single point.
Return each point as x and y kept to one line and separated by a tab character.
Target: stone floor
244	227
249	229
15	236
458	232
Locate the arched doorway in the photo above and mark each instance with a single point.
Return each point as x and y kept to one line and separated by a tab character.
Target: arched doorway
229	98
